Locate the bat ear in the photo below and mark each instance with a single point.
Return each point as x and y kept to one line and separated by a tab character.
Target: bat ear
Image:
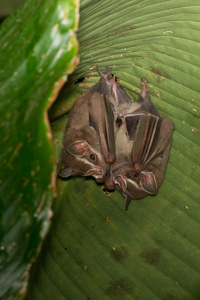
66	172
148	183
78	148
127	200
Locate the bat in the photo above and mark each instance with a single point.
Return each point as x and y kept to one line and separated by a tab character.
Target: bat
116	96
102	118
143	144
88	144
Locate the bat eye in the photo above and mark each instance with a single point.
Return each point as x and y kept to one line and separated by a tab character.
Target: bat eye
118	122
93	157
134	174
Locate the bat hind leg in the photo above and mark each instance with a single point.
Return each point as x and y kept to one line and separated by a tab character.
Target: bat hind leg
106	72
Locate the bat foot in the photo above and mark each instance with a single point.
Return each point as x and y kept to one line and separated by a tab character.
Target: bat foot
106	72
110	159
137	168
143	81
109	184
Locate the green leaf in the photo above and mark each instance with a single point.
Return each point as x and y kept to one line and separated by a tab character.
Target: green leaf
96	250
38	50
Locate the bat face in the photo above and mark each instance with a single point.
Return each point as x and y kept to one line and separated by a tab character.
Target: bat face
81	158
136	185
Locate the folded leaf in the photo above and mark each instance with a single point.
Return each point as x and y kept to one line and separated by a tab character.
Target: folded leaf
38	50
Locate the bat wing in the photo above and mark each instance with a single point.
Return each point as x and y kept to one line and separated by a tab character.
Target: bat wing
122	96
119	92
151	136
163	140
148	131
101	87
142	130
102	119
109	129
144	137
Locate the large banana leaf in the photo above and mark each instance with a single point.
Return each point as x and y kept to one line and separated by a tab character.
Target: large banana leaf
96	250
38	50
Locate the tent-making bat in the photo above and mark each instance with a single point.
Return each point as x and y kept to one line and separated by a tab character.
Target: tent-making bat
116	97
142	148
88	144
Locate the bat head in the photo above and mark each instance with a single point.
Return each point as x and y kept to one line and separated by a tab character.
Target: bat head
134	182
82	158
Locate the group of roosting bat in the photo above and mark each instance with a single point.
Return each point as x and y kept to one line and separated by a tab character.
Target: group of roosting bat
117	141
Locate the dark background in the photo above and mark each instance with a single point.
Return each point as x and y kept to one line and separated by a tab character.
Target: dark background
7	7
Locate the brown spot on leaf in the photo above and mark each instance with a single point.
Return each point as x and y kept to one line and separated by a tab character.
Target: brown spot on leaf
151	256
87	249
120	287
80	262
105	191
15	152
157	94
119	254
170	296
26	182
59	253
110	223
159	74
53	183
123	30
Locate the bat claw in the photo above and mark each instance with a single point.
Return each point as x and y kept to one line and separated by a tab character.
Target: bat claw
143	81
106	72
110	159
